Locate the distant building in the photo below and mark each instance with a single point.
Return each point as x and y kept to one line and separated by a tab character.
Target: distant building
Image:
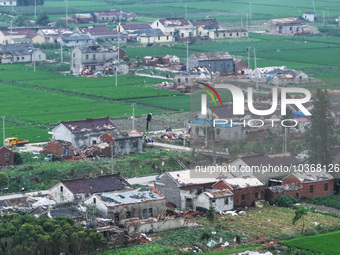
221	200
203	26
78	189
101	31
6	156
19	36
114	15
8	3
83	18
51	35
285	26
20	53
222	33
132	27
125	141
82	132
150	36
92	57
177	27
75	39
310	16
214	61
119	205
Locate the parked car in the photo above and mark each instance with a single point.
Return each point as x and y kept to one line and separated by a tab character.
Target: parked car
303	155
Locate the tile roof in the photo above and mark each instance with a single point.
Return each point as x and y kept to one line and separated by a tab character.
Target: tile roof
18	49
284	159
148	32
129	197
306	177
107	13
219	193
77	126
75	37
97	30
133	26
103	183
54	31
209	23
232	30
23	32
125	134
175	22
97	48
212	55
286	21
243	182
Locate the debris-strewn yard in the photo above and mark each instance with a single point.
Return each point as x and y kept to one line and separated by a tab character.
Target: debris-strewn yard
271	222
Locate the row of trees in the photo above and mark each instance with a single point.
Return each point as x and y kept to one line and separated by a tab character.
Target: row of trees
26	234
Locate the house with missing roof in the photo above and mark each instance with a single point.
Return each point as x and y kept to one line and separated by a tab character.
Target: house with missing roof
125	141
119	205
20	53
83	132
75	39
176	27
51	35
79	189
93	57
303	184
83	18
285	26
214	61
222	33
203	26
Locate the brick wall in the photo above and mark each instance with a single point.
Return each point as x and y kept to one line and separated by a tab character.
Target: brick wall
270	195
6	156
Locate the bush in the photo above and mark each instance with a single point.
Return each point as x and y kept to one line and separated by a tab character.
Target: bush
211	214
285	201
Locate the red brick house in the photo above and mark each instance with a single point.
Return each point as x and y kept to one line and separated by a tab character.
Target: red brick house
294	190
246	190
314	184
59	147
6	156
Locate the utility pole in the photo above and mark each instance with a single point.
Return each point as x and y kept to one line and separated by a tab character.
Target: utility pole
247	22
61	53
187	66
323	14
34	65
117	54
186	14
249	10
35	9
133	115
255	58
66	13
3	129
248	50
11	31
185	130
112	162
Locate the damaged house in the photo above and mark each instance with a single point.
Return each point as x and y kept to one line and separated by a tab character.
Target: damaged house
82	132
20	53
214	61
176	27
141	203
78	189
125	141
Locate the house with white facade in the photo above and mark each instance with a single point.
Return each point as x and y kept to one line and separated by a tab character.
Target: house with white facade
177	27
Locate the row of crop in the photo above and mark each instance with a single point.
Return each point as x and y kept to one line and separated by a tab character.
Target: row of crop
146	249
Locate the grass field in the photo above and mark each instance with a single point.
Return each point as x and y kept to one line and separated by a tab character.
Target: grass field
328	243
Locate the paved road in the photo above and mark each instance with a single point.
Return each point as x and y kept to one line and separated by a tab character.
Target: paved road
32	147
28	194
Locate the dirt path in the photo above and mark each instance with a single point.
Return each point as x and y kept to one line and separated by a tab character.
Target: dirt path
322	208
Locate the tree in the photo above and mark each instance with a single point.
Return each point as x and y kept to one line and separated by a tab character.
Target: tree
3	180
126	58
320	137
299	215
20	21
17	158
42	19
60	23
100	40
211	214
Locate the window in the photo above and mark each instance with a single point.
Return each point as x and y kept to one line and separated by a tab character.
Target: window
182	34
218	131
39	56
167	38
94	56
256	195
61	188
325	187
128	214
94	200
290	28
74	55
74	65
145	213
236	34
159	38
243	197
87	56
231	34
150	212
7	157
22	58
135	144
311	189
226	201
223	34
297	194
116	217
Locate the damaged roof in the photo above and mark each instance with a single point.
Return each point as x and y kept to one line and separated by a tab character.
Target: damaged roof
212	55
97	30
125	134
19	32
286	21
287	187
133	26
243	182
306	177
88	125
103	183
18	49
219	193
284	159
206	23
129	197
175	22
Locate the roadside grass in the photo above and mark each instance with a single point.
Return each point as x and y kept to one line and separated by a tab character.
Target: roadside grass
330	201
327	243
271	222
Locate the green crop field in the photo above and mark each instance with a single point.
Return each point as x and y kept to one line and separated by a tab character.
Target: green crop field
327	244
